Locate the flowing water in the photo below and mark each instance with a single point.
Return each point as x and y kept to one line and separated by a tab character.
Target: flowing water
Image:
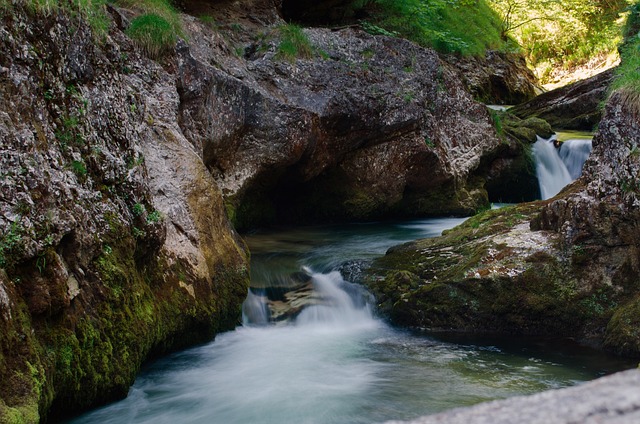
337	362
557	167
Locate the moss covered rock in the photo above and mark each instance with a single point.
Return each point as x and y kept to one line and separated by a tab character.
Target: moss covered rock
114	242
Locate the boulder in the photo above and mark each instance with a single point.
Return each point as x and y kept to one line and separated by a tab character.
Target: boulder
368	127
572	107
497	78
611	399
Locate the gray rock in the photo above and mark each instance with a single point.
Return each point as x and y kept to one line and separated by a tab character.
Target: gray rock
371	126
614	399
573	107
498	78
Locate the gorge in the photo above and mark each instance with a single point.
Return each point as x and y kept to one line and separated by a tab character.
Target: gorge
127	170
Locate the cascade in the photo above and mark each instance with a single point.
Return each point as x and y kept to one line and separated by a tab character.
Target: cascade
574	154
334	362
255	310
556	168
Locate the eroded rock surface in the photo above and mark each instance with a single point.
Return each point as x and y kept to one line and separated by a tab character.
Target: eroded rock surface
498	78
370	126
115	245
573	107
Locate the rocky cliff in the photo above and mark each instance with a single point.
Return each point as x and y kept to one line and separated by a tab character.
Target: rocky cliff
115	245
568	266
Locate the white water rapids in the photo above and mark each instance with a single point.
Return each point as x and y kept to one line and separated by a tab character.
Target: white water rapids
337	363
557	167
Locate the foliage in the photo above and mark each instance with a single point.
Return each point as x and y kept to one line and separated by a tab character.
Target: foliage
451	26
628	73
157	27
79	168
9	244
153	34
92	11
294	43
561	33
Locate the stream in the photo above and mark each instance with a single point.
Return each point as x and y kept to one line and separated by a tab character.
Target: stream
338	362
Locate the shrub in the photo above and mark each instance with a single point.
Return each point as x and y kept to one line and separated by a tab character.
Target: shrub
294	43
153	34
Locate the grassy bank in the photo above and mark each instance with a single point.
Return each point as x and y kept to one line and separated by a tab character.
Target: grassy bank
468	27
628	73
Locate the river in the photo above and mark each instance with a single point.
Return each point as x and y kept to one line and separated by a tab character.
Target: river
338	362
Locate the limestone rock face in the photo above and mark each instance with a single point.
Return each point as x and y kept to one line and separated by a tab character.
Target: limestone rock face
573	107
114	241
498	78
370	126
568	266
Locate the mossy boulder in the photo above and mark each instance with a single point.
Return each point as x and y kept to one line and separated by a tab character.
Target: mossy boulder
564	267
494	274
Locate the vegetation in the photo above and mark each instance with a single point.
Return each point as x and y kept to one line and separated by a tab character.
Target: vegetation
156	29
628	73
294	43
92	11
153	34
561	34
451	26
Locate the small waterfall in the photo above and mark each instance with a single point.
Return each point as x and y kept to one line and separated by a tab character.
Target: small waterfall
574	154
556	168
336	307
255	310
329	301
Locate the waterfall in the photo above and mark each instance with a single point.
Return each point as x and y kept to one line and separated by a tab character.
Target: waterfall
574	154
255	310
556	168
337	307
331	302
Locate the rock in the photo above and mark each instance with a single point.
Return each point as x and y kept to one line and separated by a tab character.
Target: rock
511	174
498	78
372	127
573	107
611	399
115	246
568	266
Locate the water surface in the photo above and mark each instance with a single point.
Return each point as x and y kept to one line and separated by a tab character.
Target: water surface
338	362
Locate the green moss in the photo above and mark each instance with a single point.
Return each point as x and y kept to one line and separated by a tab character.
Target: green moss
623	331
457	26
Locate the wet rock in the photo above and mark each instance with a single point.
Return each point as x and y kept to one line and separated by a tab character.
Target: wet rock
114	242
568	266
573	107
